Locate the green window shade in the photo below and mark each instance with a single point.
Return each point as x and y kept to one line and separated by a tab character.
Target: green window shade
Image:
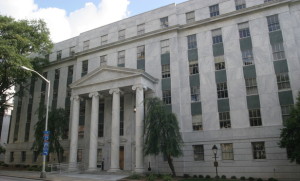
165	58
246	43
196	108
249	71
168	108
223	105
193	54
286	98
218	49
275	37
280	66
121	65
253	102
221	76
194	80
166	84
141	64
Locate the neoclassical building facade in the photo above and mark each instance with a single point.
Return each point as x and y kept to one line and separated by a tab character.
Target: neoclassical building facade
228	69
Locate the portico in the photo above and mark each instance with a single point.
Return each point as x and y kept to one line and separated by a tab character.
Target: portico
113	82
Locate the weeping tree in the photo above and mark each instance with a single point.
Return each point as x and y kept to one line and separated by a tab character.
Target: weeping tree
57	122
162	132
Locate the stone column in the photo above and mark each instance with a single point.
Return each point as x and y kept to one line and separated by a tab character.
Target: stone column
115	131
74	132
94	132
139	128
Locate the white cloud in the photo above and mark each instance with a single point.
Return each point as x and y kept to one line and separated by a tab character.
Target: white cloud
63	26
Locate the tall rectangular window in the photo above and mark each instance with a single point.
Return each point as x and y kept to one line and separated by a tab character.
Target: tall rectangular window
190	17
198	152
101	121
240	4
11	157
72	51
251	86
121	116
141	29
35	156
192	42
104	40
219	62
23	156
222	90
193	66
167	97
122	34
79	155
121	58
103	60
247	56
265	1
86	45
286	111
227	151
84	68
255	117
55	88
165	48
29	109
164	22
217	36
195	93
244	31
165	71
68	100
43	89
141	52
224	118
283	81
58	55
214	10
197	122
81	119
278	51
273	23
258	150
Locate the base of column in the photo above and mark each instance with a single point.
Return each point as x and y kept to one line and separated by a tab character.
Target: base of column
91	170
139	170
72	167
113	170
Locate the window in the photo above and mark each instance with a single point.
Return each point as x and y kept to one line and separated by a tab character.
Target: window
265	1
193	68
227	151
35	156
23	156
82	112
224	118
101	121
283	81
167	97
164	44
222	90
121	58
273	23
55	88
255	117
197	122
58	55
219	62
278	51
195	93
141	52
190	17
164	22
247	56
258	149
103	60
217	36
79	155
86	45
240	4
251	86
104	40
99	157
214	10
84	68
72	51
165	71
244	30
198	152
121	116
122	34
11	157
192	42
285	111
141	29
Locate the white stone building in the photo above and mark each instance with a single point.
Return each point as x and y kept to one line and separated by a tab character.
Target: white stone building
229	70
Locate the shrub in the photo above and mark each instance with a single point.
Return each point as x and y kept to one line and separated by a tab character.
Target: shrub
200	176
135	176
223	177
151	177
207	176
18	166
217	177
167	178
194	176
259	179
243	178
5	165
233	177
251	179
186	175
272	179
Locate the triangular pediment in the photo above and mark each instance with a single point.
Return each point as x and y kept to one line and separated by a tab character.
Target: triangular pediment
109	74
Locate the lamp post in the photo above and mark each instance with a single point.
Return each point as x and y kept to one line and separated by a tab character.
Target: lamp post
43	173
215	150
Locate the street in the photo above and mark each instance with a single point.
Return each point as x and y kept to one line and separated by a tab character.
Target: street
4	178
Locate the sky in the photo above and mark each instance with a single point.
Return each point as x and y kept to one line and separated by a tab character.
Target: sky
68	18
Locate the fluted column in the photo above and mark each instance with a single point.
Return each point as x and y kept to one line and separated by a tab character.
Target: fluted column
94	131
139	128
115	131
74	132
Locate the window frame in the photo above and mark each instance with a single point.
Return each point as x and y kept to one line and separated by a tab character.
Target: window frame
190	17
247	57
283	81
84	67
222	90
244	30
214	10
86	45
217	36
122	34
240	4
167	97
104	39
251	86
121	57
164	46
227	151
197	122
103	60
198	152
140	52
195	93
258	153
278	51
165	71
192	42
255	117
141	29
224	119
273	23
164	22
193	68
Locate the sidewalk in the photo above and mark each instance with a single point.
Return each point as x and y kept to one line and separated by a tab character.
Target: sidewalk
64	176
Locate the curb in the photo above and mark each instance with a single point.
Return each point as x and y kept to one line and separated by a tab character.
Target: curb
32	178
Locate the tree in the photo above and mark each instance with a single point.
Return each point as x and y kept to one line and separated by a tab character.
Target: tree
19	40
290	134
2	149
57	122
162	132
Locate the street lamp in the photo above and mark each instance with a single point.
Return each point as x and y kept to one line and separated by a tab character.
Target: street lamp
43	173
215	151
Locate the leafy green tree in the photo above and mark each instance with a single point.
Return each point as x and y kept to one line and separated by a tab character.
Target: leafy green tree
2	149
57	122
19	40
162	132
290	134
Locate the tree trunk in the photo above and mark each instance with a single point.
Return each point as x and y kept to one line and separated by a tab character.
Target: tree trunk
170	162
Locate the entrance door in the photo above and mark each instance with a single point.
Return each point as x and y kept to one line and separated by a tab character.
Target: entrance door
121	157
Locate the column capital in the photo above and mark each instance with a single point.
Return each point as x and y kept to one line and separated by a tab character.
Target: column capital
75	98
139	86
94	94
115	91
